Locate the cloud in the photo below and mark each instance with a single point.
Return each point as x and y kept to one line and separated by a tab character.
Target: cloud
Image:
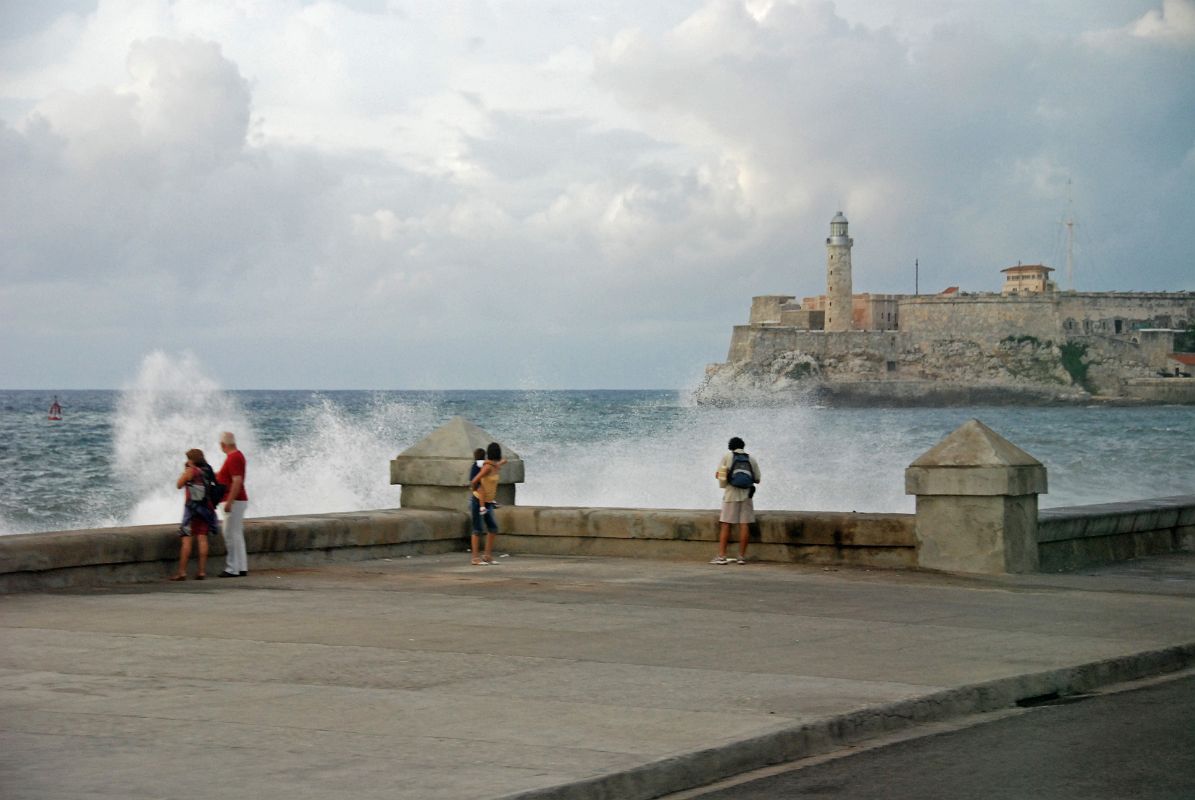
818	112
184	108
333	194
1174	21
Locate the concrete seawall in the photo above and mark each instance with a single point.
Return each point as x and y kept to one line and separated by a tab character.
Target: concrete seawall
97	556
818	537
89	557
1073	537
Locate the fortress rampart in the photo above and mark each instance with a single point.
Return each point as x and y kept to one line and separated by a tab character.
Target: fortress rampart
765	343
987	316
1045	316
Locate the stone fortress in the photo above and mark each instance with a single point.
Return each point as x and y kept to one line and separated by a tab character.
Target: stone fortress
1029	343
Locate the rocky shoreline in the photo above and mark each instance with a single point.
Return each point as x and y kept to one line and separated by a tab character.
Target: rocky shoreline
940	372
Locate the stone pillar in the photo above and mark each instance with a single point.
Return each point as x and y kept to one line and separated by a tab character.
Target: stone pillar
434	472
976	503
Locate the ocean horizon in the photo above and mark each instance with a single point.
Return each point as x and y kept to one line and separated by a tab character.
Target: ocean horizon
115	455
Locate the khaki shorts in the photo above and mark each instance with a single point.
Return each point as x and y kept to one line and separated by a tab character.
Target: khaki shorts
742	511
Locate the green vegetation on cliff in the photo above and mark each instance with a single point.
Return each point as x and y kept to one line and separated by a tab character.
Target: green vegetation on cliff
800	371
1072	362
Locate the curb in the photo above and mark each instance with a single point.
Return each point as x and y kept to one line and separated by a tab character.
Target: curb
702	767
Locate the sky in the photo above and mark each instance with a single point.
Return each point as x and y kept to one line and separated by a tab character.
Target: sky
540	194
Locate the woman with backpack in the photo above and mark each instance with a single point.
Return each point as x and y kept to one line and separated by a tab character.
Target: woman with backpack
199	515
737	475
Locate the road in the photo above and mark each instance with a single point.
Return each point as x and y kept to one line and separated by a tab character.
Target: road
1138	743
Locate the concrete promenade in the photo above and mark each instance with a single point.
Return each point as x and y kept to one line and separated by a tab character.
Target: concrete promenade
425	677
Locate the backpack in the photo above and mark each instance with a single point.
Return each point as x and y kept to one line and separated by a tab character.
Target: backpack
741	475
211	492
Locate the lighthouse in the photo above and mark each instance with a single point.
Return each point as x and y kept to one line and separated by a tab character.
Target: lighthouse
838	276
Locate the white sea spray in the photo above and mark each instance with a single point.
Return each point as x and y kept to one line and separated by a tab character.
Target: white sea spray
169	408
114	460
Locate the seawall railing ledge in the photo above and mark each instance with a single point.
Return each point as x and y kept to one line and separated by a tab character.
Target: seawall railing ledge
64	559
119	555
1073	537
824	537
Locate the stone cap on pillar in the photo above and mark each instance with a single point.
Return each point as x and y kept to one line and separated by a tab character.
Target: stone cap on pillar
975	460
443	457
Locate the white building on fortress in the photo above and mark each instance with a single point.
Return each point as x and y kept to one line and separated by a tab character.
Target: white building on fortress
1030	339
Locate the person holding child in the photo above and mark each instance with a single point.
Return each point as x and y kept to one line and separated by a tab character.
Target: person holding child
483	483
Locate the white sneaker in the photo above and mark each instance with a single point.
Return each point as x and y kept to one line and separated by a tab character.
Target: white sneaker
741	560
719	560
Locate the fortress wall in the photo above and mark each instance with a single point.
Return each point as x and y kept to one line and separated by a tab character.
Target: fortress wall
877	312
765	309
803	318
740	344
869	312
980	317
1045	317
763	344
1097	312
1179	391
1114	360
1123	348
1156	347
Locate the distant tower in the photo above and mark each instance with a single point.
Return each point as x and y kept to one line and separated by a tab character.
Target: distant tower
838	276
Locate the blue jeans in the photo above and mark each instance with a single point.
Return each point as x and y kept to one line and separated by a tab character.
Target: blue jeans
475	510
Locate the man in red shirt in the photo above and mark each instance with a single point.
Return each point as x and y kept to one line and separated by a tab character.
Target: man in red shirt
232	475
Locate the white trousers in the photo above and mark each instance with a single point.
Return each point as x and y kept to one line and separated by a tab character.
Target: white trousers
237	560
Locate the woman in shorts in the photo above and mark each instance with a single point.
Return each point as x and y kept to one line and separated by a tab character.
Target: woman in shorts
191	482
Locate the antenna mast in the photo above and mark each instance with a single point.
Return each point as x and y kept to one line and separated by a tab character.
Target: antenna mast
1070	223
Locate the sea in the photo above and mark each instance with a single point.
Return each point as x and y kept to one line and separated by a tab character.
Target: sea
113	458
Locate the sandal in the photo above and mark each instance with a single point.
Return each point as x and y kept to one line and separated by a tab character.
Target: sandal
476	563
201	576
178	578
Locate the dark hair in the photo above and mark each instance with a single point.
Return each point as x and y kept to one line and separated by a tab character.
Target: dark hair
735	443
479	453
195	456
494	451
